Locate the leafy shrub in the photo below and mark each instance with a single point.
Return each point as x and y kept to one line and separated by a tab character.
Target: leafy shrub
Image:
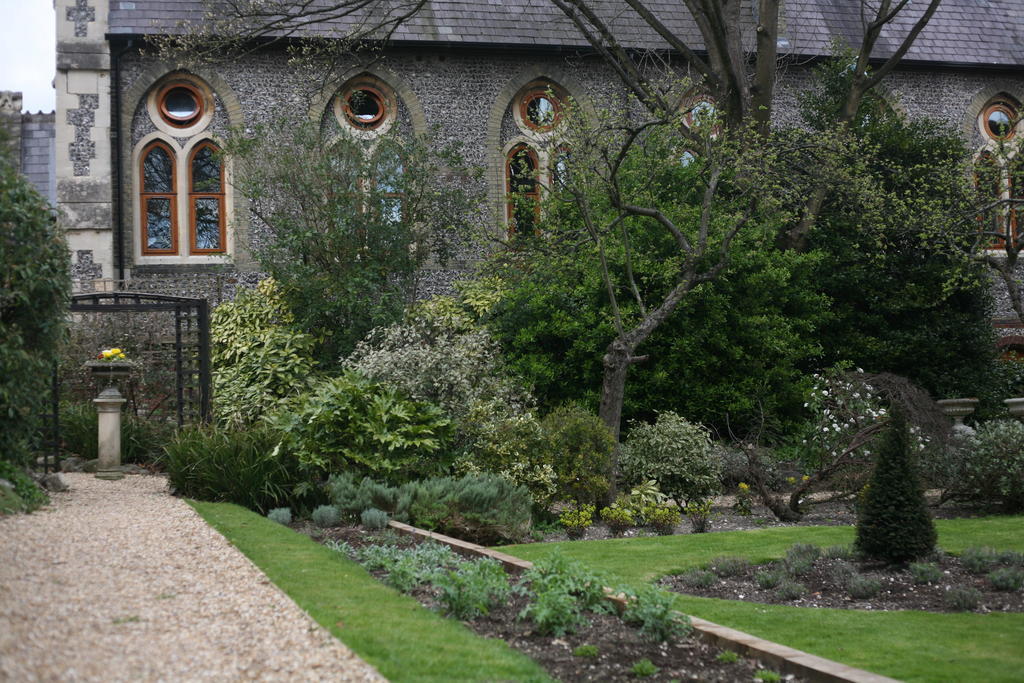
979	560
280	515
142	439
374	519
962	599
697	578
644	668
727	657
352	497
586	651
325	516
31	496
699	514
674	453
769	578
428	359
893	523
1007	579
483	507
512	446
474	589
34	288
744	500
863	587
924	572
349	422
789	590
577	520
581	448
726	566
664	518
554	612
992	470
258	356
248	467
558	571
642	499
618	519
652	611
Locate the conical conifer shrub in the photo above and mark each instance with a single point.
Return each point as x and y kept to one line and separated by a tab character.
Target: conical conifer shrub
894	524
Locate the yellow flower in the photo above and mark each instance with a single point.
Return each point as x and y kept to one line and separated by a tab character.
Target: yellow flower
744	487
805	477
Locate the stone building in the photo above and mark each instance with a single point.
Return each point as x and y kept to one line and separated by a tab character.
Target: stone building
479	71
31	140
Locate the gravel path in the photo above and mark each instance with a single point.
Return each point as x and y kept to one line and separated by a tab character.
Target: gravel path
117	580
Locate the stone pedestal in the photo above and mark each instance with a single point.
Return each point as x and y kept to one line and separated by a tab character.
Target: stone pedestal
108	405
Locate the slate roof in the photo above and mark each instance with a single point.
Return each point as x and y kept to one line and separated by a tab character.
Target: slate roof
963	32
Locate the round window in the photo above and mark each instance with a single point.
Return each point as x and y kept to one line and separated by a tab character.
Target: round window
539	109
180	105
365	107
999	119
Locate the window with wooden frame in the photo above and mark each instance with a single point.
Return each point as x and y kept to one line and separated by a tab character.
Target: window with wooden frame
159	200
180	104
206	200
387	183
522	188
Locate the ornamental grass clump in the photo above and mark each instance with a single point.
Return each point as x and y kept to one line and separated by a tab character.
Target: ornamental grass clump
769	578
1007	579
893	523
373	519
979	560
726	567
924	572
697	578
280	515
863	587
326	516
963	599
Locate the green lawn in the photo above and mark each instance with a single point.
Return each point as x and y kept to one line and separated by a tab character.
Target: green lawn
914	646
393	632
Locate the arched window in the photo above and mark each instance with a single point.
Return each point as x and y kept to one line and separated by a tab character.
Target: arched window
206	200
388	184
159	200
523	189
999	173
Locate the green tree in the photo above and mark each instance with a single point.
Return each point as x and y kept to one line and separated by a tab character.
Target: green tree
893	523
898	303
343	226
35	286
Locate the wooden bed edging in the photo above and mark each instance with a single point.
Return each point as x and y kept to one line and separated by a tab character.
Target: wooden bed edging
785	659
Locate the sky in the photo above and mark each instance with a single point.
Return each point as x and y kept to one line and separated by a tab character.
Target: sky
28	51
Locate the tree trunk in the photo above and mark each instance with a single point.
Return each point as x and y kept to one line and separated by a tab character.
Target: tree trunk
617	359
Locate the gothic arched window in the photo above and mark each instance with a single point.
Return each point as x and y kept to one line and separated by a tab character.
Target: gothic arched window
159	200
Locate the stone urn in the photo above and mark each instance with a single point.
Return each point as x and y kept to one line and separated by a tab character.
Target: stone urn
107	372
1016	407
957	408
108	406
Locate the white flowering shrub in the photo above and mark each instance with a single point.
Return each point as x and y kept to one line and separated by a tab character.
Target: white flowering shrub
990	468
847	411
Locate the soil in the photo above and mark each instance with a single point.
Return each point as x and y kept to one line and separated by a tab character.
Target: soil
824	588
619	646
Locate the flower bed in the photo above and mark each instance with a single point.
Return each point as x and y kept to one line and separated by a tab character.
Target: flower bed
980	579
556	614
